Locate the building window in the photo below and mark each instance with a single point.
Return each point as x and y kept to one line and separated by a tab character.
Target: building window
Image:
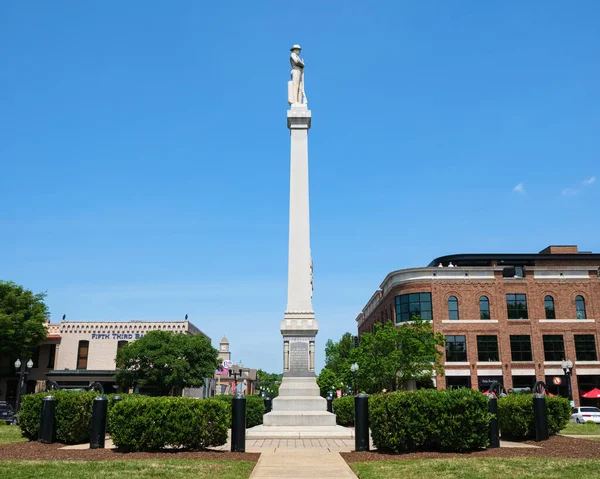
585	347
554	347
457	382
51	356
453	307
82	354
517	306
456	349
487	348
484	308
35	357
121	345
549	307
415	304
520	348
580	307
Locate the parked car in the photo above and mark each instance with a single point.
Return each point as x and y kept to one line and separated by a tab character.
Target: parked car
7	413
585	413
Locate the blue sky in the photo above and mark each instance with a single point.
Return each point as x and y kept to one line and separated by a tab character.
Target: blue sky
144	154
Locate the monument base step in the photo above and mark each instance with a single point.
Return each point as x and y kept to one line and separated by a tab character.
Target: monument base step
299	403
299	432
299	418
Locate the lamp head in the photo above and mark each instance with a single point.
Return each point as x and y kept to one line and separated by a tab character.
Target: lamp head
29	364
18	364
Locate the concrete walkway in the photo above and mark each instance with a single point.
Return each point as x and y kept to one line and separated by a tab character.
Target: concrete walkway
301	463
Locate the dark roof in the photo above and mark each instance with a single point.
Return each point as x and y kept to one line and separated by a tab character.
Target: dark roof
520	259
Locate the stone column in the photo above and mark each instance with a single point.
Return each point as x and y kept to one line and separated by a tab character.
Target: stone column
286	355
299	326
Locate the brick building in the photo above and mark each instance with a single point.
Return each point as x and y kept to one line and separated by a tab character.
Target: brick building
506	317
76	354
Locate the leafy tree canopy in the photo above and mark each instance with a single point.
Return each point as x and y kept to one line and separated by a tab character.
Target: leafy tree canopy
22	321
328	381
338	356
165	361
391	356
269	382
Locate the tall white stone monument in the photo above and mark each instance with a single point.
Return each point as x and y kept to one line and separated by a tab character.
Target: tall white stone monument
299	410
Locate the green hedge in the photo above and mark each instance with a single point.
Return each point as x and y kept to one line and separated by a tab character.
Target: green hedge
455	420
151	423
255	408
343	408
73	414
515	415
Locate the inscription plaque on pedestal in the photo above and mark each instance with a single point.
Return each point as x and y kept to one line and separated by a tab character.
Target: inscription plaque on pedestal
299	358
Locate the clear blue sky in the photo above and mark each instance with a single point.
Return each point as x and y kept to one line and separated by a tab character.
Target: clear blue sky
145	157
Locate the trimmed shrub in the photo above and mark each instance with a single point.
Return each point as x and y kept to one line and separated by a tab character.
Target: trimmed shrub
255	408
30	414
73	414
153	423
454	420
343	408
516	419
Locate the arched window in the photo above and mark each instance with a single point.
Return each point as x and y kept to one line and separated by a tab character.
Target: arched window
484	307
580	307
453	307
549	307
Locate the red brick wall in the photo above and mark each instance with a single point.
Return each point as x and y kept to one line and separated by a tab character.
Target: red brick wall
468	293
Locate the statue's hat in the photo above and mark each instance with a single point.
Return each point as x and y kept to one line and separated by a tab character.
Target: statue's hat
295	47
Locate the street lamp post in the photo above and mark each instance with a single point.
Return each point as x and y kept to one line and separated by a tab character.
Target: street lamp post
567	367
22	372
354	369
235	372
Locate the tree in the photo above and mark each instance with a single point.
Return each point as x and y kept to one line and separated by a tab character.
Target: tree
22	321
269	382
327	381
392	356
165	362
337	355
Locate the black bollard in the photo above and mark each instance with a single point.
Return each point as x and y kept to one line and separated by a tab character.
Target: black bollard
46	432
268	405
99	415
238	424
541	417
116	399
494	427
361	422
329	404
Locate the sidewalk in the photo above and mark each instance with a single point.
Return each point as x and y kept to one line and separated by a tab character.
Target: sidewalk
301	463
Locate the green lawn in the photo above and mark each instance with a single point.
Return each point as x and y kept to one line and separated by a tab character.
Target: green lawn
138	469
581	429
496	468
9	434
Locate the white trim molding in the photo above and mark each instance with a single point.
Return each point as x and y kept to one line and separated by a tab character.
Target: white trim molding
588	372
469	321
566	320
458	372
489	372
523	372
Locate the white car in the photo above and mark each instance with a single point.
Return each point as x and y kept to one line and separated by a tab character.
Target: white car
586	413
